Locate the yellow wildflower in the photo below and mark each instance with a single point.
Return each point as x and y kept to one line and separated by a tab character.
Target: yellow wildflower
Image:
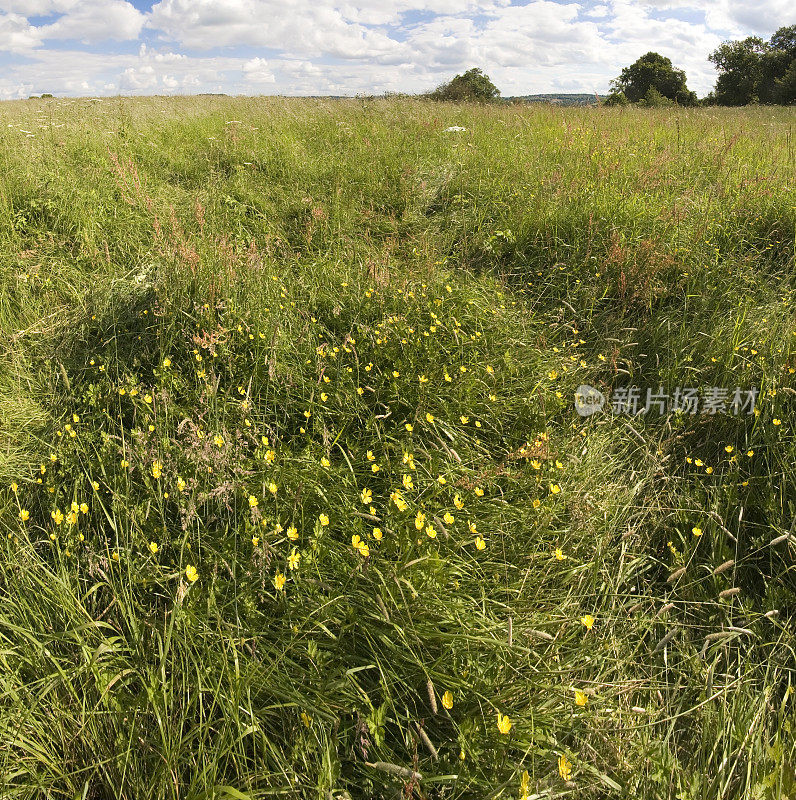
503	723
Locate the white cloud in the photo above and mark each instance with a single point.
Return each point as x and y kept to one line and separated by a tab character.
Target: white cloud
96	21
136	78
17	34
304	27
257	71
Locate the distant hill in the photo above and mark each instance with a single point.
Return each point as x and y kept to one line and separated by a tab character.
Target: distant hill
558	99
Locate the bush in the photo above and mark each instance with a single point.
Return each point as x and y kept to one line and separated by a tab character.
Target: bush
472	86
616	99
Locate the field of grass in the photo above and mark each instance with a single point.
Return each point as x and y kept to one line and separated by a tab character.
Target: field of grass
294	498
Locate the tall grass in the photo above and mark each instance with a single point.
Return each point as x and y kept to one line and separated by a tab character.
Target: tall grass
294	497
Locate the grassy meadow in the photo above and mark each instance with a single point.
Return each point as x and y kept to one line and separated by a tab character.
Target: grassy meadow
294	498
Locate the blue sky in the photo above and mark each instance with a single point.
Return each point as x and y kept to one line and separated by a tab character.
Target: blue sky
299	47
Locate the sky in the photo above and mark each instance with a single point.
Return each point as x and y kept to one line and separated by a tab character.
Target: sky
346	47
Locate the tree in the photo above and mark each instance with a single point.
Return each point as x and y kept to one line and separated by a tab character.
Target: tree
740	66
473	85
752	70
653	71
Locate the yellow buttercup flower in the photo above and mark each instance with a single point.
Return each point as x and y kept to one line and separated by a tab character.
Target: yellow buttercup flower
564	767
24	515
397	498
581	698
480	544
366	496
588	621
408	482
279	581
191	574
431	532
458	502
292	533
449	518
377	534
272	487
559	554
293	559
447	700
420	520
253	502
504	723
153	547
323	519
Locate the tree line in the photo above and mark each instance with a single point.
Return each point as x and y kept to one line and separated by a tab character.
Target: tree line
750	70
